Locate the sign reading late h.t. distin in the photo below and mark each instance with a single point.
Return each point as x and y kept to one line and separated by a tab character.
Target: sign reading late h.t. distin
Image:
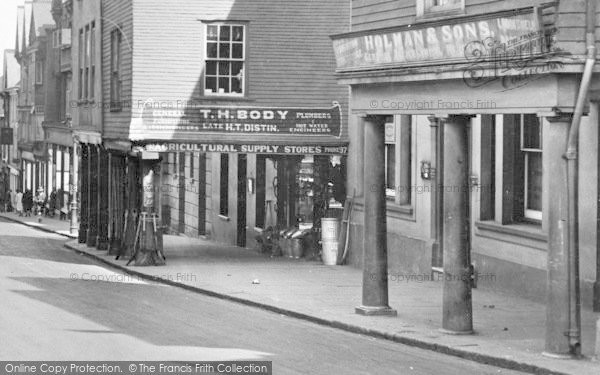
430	43
190	119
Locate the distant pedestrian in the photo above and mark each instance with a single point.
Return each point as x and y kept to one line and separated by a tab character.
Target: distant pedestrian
27	202
19	202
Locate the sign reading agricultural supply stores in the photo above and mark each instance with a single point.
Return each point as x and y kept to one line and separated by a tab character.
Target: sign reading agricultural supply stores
162	120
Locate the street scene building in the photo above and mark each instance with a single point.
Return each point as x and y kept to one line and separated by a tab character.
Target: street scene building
423	172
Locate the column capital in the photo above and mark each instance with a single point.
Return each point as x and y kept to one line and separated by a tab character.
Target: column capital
560	117
378	119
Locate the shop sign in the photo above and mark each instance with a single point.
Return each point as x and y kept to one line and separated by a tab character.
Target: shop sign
432	44
6	136
187	119
248	148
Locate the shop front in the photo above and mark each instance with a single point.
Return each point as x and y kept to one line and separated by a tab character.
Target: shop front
236	172
461	126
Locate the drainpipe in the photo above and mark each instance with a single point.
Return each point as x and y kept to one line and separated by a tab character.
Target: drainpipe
572	185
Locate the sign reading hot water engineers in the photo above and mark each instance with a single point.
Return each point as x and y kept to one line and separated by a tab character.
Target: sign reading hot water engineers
191	119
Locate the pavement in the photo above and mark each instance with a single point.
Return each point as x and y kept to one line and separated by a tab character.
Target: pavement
509	331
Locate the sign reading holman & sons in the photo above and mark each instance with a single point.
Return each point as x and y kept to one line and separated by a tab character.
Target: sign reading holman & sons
429	43
190	119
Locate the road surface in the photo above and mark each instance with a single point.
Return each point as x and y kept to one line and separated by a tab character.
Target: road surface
58	305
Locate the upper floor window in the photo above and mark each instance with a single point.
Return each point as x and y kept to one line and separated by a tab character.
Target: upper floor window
39	72
87	63
115	70
225	59
432	8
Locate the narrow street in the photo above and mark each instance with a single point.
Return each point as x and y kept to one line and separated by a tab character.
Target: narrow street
52	310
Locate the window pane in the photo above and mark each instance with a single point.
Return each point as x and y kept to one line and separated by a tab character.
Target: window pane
238	34
225	33
534	181
211	50
236	85
224	50
211	68
390	169
211	84
237	68
237	51
224	84
532	138
212	32
224	68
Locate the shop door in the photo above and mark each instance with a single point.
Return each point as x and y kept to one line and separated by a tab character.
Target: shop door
241	194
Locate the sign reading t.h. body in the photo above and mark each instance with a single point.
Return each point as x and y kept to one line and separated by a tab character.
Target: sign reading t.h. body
431	42
6	136
158	119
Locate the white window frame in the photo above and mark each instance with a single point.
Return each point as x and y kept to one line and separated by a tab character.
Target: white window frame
527	213
395	138
428	8
243	74
391	139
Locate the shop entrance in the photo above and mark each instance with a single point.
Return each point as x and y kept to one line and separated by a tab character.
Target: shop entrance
241	193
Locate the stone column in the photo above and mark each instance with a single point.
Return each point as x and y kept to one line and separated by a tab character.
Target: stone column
375	273
457	315
557	306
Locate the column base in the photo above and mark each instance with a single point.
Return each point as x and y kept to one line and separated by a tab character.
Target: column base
456	333
559	355
102	243
375	311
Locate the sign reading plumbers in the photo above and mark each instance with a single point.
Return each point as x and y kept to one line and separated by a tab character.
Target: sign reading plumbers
160	118
433	43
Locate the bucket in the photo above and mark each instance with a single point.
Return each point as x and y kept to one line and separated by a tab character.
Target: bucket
297	248
330	251
329	229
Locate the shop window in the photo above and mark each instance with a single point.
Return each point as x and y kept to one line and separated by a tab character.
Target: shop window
225	59
520	189
261	187
531	148
488	168
398	159
115	70
224	186
434	8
